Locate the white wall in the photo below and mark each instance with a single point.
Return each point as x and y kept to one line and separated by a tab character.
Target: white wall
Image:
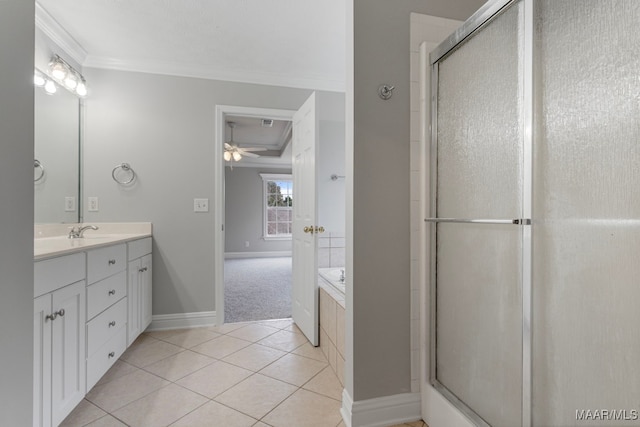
16	212
379	322
164	127
244	217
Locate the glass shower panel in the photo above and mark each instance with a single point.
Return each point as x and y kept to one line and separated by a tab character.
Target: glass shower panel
480	176
479	337
586	213
479	123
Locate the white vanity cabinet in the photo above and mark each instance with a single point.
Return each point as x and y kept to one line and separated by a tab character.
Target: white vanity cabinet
139	287
82	307
106	309
59	338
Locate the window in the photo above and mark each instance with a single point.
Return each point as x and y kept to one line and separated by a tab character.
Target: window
277	206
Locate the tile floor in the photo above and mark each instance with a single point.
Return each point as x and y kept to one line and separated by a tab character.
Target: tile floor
243	374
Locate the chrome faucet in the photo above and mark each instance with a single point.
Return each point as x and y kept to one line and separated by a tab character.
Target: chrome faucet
78	232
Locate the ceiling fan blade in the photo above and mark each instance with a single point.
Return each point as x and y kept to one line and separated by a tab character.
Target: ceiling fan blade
247	154
253	149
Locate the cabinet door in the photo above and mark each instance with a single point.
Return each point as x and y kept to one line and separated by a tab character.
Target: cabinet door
68	350
146	294
133	296
42	362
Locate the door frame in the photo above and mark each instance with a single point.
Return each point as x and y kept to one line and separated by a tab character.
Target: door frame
219	186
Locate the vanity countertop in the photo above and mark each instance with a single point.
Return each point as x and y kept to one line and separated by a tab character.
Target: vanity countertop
51	240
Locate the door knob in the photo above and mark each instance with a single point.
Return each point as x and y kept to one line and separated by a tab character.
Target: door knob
308	230
319	229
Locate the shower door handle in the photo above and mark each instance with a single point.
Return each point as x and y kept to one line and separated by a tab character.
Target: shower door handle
517	221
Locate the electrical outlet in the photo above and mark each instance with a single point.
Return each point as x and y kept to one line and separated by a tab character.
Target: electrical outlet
93	204
201	205
69	204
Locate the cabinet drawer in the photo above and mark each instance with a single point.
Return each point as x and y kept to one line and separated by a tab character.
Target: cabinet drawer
105	325
105	262
105	356
138	248
52	274
106	292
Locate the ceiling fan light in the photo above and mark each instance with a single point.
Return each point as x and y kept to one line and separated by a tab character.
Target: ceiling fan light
227	156
236	156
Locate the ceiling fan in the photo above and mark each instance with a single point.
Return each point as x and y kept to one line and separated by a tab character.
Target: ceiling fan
233	152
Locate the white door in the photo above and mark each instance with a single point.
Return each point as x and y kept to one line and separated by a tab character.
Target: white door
304	292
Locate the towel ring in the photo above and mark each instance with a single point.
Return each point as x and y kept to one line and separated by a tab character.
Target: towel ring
37	164
127	168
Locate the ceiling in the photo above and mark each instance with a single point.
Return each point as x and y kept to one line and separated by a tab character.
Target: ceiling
294	43
249	132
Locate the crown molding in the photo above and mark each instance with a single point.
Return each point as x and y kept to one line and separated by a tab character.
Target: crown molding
49	26
197	71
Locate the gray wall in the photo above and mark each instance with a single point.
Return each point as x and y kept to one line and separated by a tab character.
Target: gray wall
16	212
331	160
381	279
164	127
243	211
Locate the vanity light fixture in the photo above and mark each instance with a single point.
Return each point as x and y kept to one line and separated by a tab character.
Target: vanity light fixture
50	87
65	75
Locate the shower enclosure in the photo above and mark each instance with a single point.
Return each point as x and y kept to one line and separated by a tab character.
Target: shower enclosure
535	216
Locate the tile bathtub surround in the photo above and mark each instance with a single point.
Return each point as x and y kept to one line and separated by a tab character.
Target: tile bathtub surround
331	250
332	333
247	374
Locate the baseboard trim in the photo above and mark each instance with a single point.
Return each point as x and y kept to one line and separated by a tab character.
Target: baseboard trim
380	411
182	320
273	254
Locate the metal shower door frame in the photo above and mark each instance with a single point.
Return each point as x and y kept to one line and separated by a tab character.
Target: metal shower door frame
481	18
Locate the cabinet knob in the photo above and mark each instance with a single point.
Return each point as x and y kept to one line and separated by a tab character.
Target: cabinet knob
51	316
112	354
112	323
61	312
112	262
112	292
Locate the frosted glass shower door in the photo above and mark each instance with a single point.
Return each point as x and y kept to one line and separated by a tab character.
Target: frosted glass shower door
586	276
478	159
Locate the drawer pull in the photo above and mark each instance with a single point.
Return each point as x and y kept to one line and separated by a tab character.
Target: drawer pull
112	262
112	354
112	292
112	323
142	270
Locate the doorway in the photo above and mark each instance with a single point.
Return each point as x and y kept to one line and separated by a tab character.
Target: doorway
245	248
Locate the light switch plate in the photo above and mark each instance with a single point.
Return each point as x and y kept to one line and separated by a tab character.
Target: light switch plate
93	204
69	204
201	205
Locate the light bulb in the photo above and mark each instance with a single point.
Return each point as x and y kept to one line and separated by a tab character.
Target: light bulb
81	89
38	80
71	81
50	87
58	70
236	156
227	156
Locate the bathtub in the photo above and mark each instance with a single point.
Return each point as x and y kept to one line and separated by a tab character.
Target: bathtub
331	318
332	277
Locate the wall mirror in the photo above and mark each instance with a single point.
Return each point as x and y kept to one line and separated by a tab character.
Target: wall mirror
57	156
